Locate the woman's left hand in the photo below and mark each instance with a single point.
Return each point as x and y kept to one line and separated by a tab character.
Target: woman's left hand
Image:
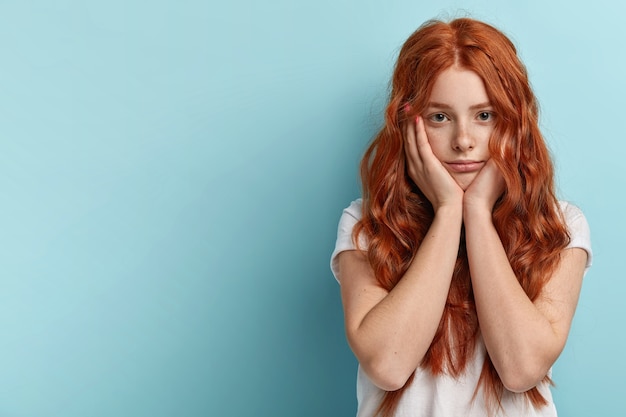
486	188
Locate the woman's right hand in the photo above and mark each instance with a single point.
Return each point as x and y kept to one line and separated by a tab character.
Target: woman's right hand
427	171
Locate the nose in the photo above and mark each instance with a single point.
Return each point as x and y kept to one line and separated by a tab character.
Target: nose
463	139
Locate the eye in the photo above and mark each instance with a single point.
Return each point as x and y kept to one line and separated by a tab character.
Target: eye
485	116
438	118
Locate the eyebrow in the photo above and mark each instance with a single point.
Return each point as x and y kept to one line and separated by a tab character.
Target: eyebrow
447	107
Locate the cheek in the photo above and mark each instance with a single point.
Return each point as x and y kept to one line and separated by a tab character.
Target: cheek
438	141
483	134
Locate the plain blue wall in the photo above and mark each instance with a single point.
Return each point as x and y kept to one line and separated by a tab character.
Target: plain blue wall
172	173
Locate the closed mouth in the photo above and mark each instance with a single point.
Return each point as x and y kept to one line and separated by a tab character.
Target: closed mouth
465	166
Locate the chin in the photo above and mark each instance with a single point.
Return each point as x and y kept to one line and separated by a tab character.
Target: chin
464	183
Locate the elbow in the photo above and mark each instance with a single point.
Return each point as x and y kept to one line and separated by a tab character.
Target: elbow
519	385
389	368
528	367
520	379
387	375
388	382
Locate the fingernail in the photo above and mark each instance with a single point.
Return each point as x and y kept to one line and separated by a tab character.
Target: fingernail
407	108
417	119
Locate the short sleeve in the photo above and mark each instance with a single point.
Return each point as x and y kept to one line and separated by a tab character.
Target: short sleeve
578	230
574	218
349	218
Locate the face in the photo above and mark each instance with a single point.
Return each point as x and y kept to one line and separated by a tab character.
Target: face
459	120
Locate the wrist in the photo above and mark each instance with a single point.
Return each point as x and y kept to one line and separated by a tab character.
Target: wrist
478	212
449	210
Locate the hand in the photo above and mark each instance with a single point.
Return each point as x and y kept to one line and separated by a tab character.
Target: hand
485	189
425	169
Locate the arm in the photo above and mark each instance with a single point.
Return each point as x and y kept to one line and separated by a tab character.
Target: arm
523	338
390	332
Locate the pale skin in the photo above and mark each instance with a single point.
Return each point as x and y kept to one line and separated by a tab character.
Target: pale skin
447	157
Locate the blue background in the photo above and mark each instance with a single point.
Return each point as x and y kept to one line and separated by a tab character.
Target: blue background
172	174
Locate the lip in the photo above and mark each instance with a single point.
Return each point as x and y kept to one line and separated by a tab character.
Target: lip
465	166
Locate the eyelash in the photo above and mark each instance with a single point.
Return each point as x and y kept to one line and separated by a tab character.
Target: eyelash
433	116
489	114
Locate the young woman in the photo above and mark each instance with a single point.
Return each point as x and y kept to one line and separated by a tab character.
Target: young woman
460	271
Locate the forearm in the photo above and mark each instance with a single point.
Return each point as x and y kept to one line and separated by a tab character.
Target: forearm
393	337
520	340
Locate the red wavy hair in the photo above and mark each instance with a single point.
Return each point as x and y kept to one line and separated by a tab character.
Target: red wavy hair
396	215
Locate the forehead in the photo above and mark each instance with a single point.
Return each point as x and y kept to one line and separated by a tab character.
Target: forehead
458	87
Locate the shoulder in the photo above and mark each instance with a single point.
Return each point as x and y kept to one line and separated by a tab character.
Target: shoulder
349	218
574	219
570	211
354	209
578	227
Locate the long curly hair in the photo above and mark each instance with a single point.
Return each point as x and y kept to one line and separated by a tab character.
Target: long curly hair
397	215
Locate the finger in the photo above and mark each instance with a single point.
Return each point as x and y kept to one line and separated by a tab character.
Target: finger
494	171
489	182
410	145
423	146
500	184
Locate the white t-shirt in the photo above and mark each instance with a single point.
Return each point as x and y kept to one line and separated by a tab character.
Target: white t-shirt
442	395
